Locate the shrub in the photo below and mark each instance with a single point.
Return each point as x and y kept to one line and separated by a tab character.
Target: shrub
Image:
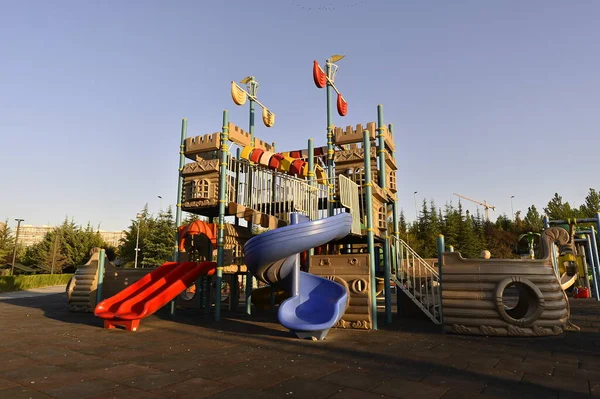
19	283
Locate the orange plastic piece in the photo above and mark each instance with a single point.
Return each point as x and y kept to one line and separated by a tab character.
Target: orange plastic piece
256	154
195	228
296	154
296	167
275	161
342	105
128	325
319	75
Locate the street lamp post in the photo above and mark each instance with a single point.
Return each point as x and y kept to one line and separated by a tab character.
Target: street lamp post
160	198
512	210
137	240
12	266
415	201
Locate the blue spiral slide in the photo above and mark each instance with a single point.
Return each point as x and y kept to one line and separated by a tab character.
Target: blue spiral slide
316	303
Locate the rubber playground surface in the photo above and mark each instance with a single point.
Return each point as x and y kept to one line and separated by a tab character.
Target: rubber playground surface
48	352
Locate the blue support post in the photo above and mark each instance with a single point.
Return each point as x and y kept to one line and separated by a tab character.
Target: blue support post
590	257
440	248
100	276
596	266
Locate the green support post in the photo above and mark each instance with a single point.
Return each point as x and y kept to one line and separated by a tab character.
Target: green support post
330	169
179	199
224	152
311	178
370	236
100	276
387	289
440	249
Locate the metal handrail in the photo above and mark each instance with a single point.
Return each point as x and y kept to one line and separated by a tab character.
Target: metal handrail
418	279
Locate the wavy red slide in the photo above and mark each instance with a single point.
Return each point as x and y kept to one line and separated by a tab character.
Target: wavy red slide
135	303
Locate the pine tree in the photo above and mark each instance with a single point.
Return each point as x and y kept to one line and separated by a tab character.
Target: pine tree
161	242
533	220
557	210
7	243
127	248
592	204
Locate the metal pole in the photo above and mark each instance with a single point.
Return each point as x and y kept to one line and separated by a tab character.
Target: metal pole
546	222
179	199
14	259
440	249
596	266
221	226
180	186
330	169
512	210
382	175
100	276
137	241
370	231
415	201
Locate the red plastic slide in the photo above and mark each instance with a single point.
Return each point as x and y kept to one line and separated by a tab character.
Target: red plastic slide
150	293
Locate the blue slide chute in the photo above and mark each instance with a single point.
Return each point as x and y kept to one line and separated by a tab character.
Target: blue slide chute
316	303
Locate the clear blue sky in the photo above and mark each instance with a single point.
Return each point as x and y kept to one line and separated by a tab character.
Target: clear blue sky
488	99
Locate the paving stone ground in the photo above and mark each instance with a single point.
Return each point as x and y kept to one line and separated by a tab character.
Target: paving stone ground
48	352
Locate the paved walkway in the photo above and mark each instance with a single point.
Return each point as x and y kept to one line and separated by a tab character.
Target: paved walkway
53	289
48	352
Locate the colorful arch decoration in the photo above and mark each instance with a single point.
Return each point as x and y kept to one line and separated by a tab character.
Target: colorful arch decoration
238	95
268	117
195	228
319	75
342	105
286	162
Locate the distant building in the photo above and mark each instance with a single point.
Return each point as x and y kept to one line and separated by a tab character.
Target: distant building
30	235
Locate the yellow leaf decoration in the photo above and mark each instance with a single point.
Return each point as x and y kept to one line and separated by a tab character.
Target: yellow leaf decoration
268	117
336	58
238	94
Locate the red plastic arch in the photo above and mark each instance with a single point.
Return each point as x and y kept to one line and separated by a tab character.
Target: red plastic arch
342	105
275	161
296	167
255	156
319	76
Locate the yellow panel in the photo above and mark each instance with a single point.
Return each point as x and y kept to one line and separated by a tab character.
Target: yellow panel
238	94
285	164
320	174
246	152
268	117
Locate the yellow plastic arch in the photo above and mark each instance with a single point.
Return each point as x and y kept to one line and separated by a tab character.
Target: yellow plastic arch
246	152
320	174
268	117
285	164
238	95
304	171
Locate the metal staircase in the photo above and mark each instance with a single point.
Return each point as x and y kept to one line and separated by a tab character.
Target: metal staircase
417	279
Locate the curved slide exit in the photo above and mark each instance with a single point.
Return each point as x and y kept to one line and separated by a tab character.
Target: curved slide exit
150	293
317	303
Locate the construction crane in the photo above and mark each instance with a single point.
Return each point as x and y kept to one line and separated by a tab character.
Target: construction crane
485	205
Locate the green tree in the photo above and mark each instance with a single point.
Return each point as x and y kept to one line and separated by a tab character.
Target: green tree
533	220
75	245
127	248
591	207
557	210
161	240
7	243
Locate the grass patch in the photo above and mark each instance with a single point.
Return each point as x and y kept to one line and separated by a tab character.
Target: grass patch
20	283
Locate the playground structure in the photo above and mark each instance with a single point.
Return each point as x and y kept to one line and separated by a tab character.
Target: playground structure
577	263
331	247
